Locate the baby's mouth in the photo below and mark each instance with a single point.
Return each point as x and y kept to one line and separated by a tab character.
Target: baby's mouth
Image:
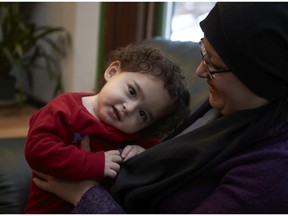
116	113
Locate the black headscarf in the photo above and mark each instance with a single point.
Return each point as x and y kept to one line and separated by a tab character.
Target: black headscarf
148	178
252	39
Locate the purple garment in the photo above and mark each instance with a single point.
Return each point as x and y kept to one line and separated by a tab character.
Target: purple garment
97	201
254	181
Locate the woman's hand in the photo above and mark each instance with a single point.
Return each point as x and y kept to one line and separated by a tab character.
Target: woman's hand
69	191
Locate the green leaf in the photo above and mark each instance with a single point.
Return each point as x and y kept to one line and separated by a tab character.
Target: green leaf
29	47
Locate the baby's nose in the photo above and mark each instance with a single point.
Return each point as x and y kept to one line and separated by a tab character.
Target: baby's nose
130	106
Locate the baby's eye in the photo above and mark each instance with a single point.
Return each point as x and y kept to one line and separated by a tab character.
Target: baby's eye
143	115
132	91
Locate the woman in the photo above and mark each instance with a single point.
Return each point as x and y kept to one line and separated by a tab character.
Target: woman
237	161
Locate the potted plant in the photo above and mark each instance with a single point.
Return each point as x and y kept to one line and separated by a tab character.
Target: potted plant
24	47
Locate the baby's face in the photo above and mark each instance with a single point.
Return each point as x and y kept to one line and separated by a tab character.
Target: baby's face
131	101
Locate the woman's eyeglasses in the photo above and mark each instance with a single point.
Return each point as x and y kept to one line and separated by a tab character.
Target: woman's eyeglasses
210	69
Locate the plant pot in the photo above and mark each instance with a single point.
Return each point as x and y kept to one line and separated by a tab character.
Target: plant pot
7	92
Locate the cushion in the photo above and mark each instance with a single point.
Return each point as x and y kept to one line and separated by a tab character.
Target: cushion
187	56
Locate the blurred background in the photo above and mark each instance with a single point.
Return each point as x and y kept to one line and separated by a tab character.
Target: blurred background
95	28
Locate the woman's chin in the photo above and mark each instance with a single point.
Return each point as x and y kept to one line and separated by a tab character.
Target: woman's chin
215	102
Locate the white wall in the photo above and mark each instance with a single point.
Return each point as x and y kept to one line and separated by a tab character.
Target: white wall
81	19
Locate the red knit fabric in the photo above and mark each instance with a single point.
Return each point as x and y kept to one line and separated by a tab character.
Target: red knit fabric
52	147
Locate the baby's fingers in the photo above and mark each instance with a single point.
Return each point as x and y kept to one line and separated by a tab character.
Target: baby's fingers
126	151
112	170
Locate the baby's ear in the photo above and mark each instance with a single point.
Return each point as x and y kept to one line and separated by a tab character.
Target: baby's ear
113	68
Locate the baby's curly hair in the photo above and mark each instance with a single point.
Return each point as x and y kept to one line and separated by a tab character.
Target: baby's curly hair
146	59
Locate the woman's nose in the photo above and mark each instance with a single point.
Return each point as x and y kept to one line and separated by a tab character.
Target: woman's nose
201	71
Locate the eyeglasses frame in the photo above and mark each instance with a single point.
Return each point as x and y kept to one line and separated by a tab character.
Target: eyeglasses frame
210	72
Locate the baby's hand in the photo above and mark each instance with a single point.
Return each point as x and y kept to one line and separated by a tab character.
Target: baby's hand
112	160
131	150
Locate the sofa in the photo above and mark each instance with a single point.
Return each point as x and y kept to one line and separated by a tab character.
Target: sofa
187	56
15	174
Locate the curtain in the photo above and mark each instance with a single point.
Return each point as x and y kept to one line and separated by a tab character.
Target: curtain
127	22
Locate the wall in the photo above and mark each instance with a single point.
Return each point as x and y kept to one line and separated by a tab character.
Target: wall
81	19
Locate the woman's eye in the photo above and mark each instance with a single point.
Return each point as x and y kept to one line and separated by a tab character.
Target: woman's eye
211	66
208	64
132	91
143	115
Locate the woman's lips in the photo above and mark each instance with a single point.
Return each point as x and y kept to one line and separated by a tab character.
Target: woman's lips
211	87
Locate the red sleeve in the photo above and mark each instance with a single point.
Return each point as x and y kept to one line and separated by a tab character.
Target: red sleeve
47	149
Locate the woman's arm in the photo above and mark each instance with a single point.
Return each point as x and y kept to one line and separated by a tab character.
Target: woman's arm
97	200
86	196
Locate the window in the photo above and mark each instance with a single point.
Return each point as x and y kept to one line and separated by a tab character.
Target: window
183	20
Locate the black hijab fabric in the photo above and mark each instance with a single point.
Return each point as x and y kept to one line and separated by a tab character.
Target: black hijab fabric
252	39
148	178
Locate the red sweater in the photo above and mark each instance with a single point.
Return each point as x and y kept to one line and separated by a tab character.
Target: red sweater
52	147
